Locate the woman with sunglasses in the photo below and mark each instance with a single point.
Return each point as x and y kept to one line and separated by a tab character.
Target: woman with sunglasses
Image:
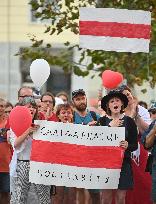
22	150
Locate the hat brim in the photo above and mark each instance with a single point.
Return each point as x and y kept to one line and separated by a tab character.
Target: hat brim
119	95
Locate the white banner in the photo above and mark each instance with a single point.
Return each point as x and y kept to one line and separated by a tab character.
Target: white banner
76	155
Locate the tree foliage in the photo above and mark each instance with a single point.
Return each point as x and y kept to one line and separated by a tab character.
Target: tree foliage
64	15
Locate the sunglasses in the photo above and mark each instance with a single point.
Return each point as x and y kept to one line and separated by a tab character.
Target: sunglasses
153	111
26	96
27	100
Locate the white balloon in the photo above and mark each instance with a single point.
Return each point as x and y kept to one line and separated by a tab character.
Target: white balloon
58	101
39	72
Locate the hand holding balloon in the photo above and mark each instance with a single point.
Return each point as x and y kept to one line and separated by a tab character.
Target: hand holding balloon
33	129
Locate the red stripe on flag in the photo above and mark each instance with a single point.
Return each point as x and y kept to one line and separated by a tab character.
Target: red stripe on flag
114	29
77	155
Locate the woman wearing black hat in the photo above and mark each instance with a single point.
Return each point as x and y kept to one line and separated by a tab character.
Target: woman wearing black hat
114	104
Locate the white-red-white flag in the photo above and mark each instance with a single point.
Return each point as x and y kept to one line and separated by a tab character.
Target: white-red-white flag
119	30
76	155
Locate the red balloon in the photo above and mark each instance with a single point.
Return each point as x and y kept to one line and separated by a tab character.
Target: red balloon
111	79
20	119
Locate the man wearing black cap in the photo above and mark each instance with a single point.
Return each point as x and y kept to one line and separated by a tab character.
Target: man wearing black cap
84	117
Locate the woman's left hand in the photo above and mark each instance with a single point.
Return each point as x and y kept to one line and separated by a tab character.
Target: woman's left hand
33	128
124	144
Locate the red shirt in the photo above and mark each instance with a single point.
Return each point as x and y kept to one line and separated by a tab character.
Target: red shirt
5	150
53	117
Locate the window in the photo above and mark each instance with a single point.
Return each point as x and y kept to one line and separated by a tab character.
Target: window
57	81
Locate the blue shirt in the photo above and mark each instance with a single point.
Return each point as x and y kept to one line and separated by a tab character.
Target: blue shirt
84	120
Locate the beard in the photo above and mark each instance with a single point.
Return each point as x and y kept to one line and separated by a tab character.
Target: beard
81	107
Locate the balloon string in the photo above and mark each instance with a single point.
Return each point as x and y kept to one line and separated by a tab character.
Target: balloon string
38	91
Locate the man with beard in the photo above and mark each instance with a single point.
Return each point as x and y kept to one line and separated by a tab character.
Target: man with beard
84	117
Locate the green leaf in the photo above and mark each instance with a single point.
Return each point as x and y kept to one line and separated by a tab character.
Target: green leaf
47	30
90	66
67	43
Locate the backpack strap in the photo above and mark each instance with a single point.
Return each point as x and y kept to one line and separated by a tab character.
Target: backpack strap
74	116
94	116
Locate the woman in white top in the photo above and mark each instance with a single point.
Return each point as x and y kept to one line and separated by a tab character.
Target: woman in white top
22	149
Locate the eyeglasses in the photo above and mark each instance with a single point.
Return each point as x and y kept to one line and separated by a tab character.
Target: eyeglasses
2	106
47	101
27	100
7	112
153	112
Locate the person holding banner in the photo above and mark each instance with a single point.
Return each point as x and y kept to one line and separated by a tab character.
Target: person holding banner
85	117
114	104
21	163
64	195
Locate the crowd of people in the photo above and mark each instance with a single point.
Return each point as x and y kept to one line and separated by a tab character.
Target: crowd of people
119	108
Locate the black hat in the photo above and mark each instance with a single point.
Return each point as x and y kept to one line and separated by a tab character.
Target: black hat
76	92
113	94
